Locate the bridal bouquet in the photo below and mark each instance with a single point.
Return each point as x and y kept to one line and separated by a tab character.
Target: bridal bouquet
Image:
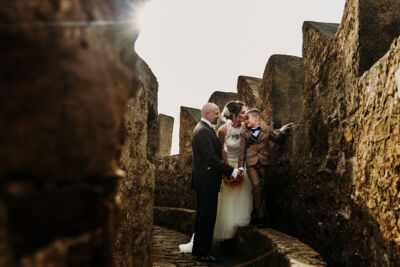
231	181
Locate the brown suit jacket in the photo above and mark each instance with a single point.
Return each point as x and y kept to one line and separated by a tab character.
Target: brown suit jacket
253	150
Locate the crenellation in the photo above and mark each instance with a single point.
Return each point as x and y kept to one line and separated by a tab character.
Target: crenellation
350	115
189	117
282	85
248	89
165	128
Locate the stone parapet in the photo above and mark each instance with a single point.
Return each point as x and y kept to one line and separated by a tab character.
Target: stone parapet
182	220
338	171
221	98
173	182
133	240
282	86
189	117
165	129
248	91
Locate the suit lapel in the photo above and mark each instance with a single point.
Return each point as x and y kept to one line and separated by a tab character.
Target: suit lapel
261	135
210	129
250	136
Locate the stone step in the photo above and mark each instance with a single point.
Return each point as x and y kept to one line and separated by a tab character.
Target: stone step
251	246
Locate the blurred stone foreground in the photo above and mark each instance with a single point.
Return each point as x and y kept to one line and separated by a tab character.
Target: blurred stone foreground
84	152
77	104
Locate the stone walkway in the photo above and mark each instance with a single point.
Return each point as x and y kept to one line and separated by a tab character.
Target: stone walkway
166	251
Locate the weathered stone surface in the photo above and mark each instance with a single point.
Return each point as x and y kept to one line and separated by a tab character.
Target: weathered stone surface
342	185
67	71
268	247
166	251
133	242
282	85
66	252
250	246
173	182
248	89
165	128
189	117
65	120
174	173
375	18
182	220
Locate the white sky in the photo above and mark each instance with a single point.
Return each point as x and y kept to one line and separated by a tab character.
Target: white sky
196	47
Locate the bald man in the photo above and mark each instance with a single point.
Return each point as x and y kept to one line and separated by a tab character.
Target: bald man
208	168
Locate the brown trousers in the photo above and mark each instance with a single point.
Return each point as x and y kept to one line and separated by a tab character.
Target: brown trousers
257	175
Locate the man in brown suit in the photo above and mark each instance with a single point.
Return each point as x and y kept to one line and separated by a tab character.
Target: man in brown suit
255	152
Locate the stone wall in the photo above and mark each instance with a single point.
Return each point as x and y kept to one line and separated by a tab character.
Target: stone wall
173	182
65	83
189	117
165	128
282	85
248	91
336	181
174	173
132	244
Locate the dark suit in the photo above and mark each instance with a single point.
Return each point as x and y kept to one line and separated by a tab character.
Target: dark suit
208	168
255	152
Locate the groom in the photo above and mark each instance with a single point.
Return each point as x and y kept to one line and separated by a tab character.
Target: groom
207	173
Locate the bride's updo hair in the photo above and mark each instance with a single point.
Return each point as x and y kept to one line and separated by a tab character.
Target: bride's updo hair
232	109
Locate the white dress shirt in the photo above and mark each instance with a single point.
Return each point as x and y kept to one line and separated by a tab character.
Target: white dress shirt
207	121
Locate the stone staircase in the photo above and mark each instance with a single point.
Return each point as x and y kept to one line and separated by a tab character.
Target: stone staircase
249	247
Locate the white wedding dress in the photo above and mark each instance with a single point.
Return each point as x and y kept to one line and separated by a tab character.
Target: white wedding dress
235	203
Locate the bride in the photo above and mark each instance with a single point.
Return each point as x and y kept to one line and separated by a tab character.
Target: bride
235	202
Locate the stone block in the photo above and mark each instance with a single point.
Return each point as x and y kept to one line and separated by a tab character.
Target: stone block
268	247
173	182
221	98
375	18
165	129
182	220
281	90
189	117
248	89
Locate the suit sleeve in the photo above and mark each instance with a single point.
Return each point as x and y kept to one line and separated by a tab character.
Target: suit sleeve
207	152
242	151
276	137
